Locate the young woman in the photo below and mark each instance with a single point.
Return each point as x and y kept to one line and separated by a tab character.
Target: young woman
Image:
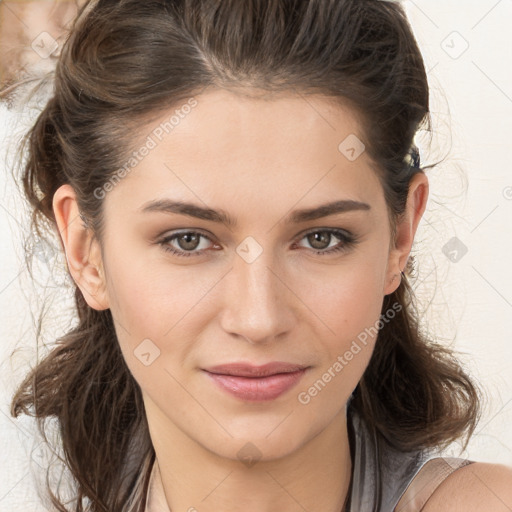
237	191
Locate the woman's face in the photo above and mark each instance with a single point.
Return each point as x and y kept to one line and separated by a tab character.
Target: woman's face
285	280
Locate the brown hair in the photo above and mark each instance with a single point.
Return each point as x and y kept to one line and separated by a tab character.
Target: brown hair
125	61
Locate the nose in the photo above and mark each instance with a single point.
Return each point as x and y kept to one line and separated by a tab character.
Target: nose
257	303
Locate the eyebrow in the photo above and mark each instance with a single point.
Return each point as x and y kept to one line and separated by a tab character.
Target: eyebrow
220	216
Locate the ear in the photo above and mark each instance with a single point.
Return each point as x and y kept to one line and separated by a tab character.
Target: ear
82	250
406	230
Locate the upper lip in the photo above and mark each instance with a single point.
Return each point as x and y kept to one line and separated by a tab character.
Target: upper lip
250	370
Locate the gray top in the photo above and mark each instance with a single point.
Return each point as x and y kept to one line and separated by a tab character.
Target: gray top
377	487
381	474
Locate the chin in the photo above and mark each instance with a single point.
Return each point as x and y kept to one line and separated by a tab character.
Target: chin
267	442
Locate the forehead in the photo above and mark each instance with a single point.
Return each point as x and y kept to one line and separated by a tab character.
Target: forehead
223	146
222	118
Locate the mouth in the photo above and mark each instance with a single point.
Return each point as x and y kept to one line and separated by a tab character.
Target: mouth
256	383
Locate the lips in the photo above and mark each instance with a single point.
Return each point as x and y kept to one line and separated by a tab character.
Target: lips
248	370
256	383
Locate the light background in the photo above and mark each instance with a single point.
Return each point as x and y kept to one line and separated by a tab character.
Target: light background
466	297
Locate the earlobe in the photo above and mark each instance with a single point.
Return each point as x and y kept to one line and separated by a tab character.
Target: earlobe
81	248
393	282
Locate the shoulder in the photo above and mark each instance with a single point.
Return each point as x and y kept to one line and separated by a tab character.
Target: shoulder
478	487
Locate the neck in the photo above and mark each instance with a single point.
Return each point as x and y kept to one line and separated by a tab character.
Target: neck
316	476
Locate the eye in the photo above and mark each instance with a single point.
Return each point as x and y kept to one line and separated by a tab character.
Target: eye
321	239
188	243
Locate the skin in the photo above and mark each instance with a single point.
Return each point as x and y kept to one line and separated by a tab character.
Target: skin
256	159
479	487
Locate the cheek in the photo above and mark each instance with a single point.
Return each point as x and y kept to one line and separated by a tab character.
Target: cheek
351	308
349	303
349	298
158	312
150	298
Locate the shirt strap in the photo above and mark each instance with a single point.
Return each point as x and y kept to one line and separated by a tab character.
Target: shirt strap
427	480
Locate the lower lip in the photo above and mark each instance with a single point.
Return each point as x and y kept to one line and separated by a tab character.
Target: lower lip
257	389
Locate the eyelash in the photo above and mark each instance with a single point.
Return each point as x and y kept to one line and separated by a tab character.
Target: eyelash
347	242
